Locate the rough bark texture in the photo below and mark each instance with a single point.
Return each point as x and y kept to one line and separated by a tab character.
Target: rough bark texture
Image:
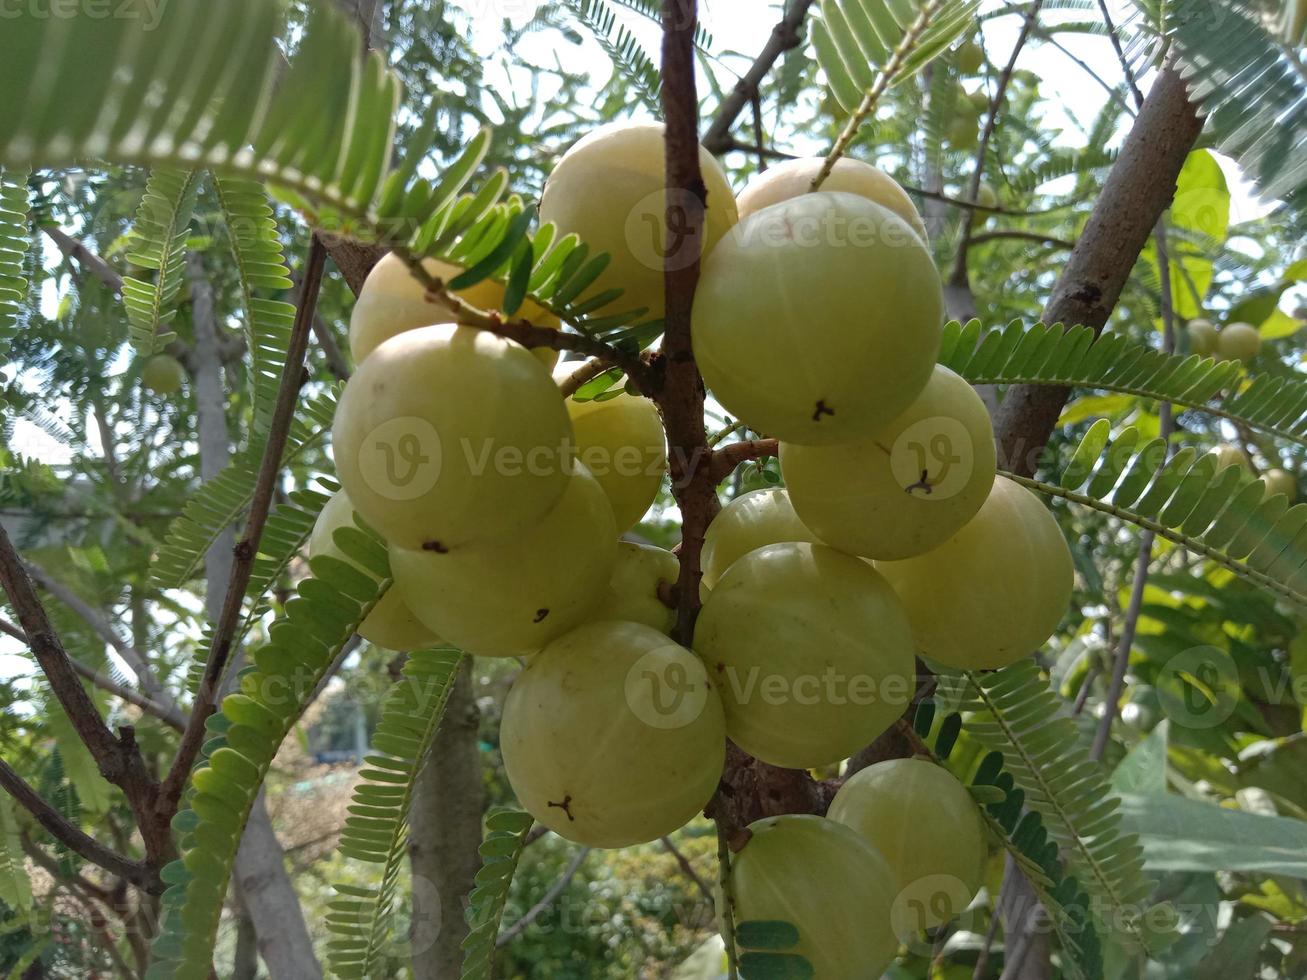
260	873
448	805
1138	189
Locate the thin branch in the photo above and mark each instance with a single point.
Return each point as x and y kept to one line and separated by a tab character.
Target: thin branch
73	838
1013	233
727	906
586	373
88	260
1120	54
687	868
247	547
546	900
725	460
884	79
785	36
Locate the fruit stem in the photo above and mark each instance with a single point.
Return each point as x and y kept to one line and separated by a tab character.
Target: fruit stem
727	900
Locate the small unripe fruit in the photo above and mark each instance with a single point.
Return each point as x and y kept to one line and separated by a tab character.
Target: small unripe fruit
995	591
620	440
829	883
908	488
818	319
1238	342
970	57
963	132
750	521
391	624
632	593
511	595
793	178
987	198
613	735
446	435
926	826
163	374
1228	455
609	189
392	301
1202	337
1281	482
979	101
811	651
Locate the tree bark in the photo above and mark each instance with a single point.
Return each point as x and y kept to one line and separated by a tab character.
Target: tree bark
445	821
259	874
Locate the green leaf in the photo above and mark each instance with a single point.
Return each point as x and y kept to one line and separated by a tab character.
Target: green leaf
1143	770
159	242
501	851
760	934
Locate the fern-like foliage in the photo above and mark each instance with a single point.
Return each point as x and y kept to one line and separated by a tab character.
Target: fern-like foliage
1252	89
247	732
219	504
506	832
855	41
15	885
1047	355
1223	516
622	47
262	269
1024	837
159	242
13	248
376	830
1012	711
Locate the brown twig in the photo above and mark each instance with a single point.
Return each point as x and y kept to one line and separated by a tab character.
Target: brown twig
724	460
248	545
1013	233
687	868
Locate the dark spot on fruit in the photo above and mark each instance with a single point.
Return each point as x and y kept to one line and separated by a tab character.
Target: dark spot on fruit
540	615
820	410
923	485
565	806
435	546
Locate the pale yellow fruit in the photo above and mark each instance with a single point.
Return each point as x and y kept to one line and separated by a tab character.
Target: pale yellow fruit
1229	455
970	57
447	435
1238	342
393	300
811	651
1202	337
995	591
632	593
1281	482
926	826
511	595
163	374
620	440
613	735
750	521
908	488
610	188
827	882
818	319
391	624
790	179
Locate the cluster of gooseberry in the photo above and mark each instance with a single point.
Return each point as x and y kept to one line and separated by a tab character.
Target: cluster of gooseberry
1233	342
817	321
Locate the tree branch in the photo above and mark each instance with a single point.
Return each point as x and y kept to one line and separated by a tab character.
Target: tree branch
546	900
725	460
248	546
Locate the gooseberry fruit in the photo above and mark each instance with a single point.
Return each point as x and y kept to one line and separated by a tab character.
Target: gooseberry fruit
987	198
1238	342
970	57
390	624
791	868
449	434
793	178
909	487
511	595
811	651
995	591
610	190
613	735
163	374
632	593
620	440
392	301
1229	455
963	132
818	319
1281	482
750	521
925	825
1202	336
